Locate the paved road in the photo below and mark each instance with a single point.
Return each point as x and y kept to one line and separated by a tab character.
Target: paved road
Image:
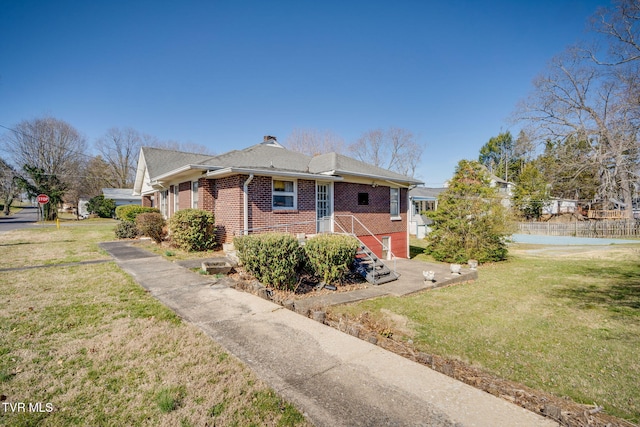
27	217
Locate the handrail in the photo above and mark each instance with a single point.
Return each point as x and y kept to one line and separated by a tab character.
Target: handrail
393	257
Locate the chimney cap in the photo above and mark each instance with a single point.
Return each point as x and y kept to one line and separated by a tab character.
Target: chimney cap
268	138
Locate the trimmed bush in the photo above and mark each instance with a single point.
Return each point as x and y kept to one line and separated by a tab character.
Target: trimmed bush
130	212
329	256
151	224
193	229
126	230
272	258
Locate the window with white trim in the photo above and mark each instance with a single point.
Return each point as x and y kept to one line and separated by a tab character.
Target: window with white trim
176	199
194	194
284	194
394	205
164	203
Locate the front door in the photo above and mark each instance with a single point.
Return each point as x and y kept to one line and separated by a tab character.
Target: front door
323	207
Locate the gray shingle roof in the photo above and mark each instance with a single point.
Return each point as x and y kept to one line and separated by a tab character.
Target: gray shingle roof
267	157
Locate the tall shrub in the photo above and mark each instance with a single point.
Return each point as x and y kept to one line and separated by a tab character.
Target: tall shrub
130	212
329	256
272	258
193	229
102	207
151	224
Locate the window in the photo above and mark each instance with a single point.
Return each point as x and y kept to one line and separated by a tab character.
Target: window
164	199
394	206
284	194
363	198
176	199
194	194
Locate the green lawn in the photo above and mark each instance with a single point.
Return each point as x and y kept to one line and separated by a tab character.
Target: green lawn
85	345
566	324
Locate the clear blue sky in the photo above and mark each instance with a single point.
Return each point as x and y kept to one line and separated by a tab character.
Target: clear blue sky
224	73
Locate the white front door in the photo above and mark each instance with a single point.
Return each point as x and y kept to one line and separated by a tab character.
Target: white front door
324	208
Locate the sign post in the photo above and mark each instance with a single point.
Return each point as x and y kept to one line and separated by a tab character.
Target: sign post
42	199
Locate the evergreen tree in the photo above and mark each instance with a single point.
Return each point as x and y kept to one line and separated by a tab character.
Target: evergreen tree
471	221
531	193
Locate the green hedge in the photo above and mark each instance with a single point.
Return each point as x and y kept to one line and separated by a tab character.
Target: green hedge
130	212
272	258
193	229
329	256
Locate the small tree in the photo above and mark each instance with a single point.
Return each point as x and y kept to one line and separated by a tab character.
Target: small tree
152	225
471	222
531	193
102	207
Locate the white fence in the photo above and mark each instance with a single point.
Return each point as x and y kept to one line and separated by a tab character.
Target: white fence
621	228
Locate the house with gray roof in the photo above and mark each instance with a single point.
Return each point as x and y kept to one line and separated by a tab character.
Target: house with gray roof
267	187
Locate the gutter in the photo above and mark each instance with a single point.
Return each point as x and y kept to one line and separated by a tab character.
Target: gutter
245	205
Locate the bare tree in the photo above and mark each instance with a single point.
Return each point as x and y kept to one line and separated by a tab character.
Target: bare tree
47	143
395	149
8	185
313	142
188	147
573	99
120	148
620	26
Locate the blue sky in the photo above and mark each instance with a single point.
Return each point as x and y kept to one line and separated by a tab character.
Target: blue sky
224	73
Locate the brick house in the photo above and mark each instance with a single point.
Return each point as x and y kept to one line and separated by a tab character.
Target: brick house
266	187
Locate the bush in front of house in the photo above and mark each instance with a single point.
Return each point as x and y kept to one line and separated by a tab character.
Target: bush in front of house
102	207
130	212
126	230
193	229
272	258
151	224
329	256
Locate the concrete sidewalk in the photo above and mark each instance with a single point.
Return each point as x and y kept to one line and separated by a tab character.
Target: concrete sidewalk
335	379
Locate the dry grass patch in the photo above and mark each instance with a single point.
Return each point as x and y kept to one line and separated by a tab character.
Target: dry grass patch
95	346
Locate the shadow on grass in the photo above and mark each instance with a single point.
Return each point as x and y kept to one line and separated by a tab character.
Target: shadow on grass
615	288
414	251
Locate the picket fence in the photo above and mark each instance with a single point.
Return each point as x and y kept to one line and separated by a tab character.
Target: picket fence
620	228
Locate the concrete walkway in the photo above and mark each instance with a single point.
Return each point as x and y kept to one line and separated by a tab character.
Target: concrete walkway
335	379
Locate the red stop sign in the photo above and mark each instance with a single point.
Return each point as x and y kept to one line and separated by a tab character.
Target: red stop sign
43	199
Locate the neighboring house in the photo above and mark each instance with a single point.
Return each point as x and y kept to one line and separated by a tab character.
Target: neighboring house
122	196
560	206
266	187
422	199
505	189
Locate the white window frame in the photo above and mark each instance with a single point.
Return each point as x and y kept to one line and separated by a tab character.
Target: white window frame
293	194
396	214
164	203
194	194
176	198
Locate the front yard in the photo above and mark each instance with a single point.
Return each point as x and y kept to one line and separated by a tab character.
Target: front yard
566	324
85	345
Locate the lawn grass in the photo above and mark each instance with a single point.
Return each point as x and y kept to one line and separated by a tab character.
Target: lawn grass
565	324
90	344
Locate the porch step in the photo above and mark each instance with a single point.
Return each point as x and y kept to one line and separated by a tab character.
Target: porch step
372	268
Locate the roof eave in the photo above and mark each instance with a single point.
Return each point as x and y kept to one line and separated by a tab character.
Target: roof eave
221	173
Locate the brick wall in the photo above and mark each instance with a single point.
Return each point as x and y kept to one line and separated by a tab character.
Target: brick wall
228	206
375	216
206	200
147	202
184	195
261	213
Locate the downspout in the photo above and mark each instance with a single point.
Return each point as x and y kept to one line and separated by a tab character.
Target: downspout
409	216
245	205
